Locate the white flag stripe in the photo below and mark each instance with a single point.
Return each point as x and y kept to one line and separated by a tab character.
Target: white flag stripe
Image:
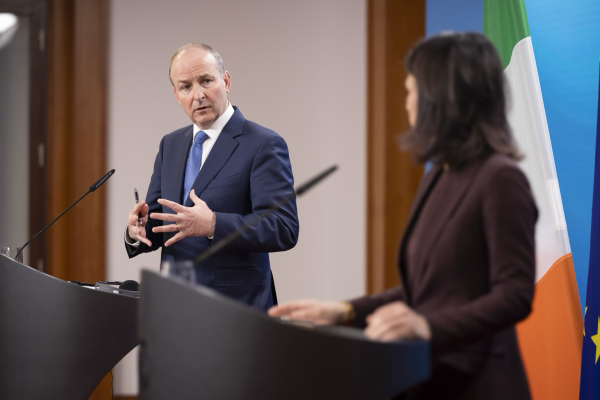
527	118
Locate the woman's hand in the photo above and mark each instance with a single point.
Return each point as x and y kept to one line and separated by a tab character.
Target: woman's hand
318	312
397	321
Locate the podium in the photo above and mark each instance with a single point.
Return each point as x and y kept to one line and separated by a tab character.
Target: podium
197	343
58	339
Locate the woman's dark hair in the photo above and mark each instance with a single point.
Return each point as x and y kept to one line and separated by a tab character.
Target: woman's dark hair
461	101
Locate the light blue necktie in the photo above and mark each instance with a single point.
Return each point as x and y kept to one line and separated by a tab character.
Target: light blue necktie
193	164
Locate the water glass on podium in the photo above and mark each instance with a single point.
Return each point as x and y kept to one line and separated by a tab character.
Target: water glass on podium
11	252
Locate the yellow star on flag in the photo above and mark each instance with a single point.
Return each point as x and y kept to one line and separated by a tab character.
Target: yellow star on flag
596	340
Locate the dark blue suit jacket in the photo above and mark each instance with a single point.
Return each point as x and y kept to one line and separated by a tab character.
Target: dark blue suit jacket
247	171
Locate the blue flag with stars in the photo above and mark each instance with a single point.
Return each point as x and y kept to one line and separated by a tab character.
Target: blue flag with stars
590	355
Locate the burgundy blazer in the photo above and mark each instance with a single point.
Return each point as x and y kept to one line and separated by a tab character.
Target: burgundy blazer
475	280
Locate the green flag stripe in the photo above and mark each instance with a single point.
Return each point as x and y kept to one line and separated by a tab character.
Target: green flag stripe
505	24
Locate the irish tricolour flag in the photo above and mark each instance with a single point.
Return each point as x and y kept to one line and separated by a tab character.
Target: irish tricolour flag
550	338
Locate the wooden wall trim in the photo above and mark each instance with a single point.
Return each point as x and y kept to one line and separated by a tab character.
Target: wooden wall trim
394	26
76	149
77	77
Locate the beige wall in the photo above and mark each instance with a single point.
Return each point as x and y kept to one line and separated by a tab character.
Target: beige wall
297	67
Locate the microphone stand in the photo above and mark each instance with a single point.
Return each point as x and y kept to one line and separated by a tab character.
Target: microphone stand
92	188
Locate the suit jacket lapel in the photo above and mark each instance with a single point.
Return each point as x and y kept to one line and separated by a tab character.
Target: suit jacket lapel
422	192
219	155
460	181
424	188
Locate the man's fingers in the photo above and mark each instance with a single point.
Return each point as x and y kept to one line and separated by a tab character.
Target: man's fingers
165	228
171	204
194	198
174	239
138	234
138	207
164	216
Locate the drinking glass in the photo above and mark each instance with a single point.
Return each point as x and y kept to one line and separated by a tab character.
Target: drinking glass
11	252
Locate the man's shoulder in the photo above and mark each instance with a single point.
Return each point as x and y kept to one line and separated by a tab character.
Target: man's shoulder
180	132
258	130
177	135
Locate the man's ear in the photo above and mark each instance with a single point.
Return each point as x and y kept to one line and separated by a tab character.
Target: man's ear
227	81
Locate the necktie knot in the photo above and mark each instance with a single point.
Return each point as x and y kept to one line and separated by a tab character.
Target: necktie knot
201	136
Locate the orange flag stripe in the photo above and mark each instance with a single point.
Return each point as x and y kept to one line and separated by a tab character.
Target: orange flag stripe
550	338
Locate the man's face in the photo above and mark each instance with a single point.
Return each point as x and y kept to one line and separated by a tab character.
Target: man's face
198	86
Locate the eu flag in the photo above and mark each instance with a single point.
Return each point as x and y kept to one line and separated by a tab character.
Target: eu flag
590	368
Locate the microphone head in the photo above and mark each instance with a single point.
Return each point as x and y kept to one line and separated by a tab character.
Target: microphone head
100	181
130	285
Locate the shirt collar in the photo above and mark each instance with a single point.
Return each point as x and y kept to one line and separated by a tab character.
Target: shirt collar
215	129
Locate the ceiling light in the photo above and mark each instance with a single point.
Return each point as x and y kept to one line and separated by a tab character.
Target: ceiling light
9	23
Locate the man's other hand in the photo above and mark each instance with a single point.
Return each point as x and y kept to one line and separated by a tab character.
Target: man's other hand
198	220
135	231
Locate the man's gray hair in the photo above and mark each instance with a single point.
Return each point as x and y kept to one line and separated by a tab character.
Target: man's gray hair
198	45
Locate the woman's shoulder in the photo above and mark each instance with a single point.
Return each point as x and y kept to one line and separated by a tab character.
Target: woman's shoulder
500	175
497	161
500	165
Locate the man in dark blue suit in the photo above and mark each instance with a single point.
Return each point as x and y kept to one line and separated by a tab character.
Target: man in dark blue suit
211	179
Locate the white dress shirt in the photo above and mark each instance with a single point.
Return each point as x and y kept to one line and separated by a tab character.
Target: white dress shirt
213	134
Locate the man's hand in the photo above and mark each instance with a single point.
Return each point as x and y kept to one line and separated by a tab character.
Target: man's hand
318	312
397	321
198	220
136	231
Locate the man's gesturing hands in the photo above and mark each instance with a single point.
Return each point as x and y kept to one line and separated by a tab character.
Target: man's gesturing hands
136	231
198	220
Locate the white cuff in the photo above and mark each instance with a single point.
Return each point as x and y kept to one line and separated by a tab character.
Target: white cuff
136	244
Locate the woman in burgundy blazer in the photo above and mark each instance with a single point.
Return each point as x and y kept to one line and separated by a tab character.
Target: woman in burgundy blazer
467	257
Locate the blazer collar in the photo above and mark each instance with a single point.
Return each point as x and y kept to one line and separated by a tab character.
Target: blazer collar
220	153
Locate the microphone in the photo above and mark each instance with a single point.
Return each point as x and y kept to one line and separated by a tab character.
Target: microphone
92	188
233	235
130	285
100	181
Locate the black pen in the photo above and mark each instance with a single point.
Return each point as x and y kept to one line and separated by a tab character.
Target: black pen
137	200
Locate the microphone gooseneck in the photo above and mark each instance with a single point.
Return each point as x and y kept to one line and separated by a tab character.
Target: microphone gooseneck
92	188
233	235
